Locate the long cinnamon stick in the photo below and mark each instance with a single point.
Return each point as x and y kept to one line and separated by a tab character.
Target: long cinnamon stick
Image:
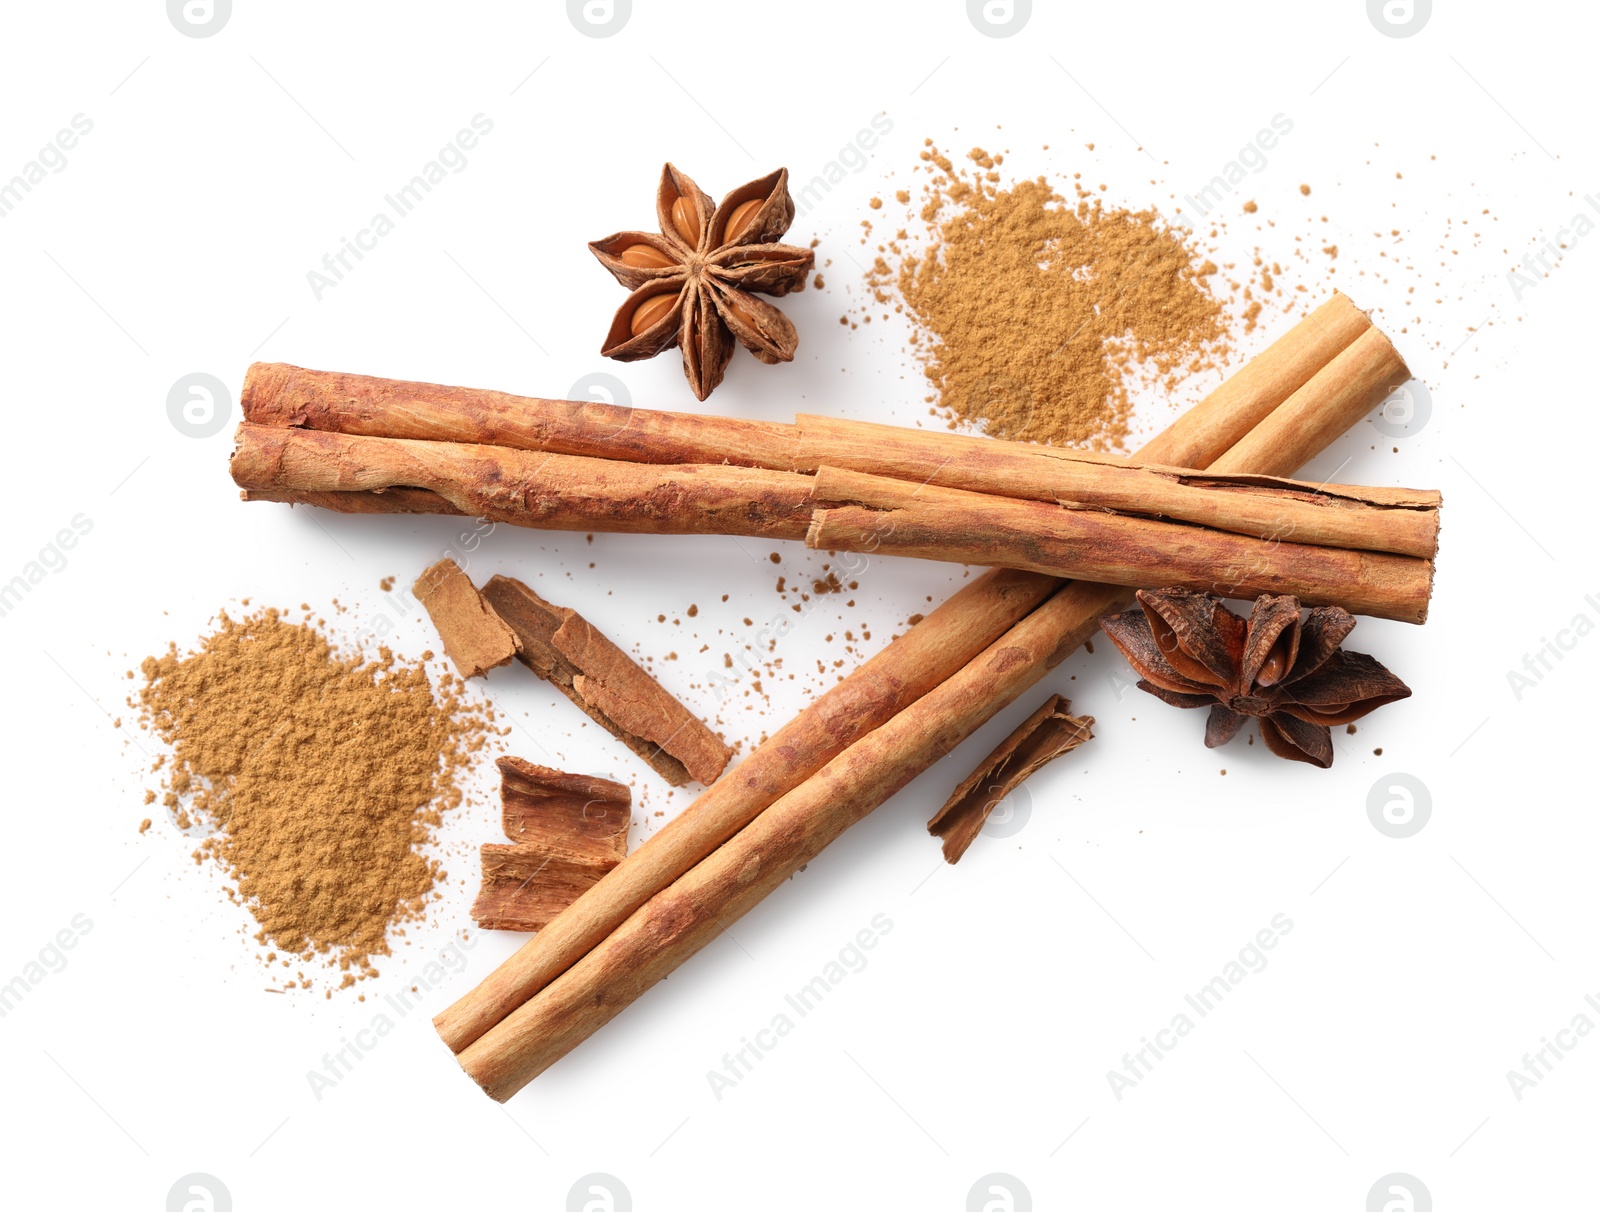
1403	521
892	679
676	923
290	397
908	668
548	491
311	433
896	517
565	492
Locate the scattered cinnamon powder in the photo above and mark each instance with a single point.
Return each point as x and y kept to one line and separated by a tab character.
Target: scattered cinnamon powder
1036	314
321	775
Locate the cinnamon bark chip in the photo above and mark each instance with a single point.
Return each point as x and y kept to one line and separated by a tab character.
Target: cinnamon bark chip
567	831
1043	736
561	646
540	804
473	636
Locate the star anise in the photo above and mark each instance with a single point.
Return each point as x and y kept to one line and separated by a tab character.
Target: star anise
695	284
1289	672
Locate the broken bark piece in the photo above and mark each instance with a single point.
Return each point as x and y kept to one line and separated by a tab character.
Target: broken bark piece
525	885
611	688
539	804
567	831
474	637
1047	733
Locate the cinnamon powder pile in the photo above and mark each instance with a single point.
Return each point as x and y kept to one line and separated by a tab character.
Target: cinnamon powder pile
1036	314
322	776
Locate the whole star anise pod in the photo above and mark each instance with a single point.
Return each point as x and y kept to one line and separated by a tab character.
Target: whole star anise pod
1289	672
695	284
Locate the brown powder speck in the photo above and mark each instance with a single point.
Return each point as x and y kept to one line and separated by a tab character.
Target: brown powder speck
322	777
1305	191
692	611
144	825
386	584
1250	208
775	558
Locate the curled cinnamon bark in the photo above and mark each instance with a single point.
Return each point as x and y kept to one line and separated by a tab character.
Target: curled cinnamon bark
1044	736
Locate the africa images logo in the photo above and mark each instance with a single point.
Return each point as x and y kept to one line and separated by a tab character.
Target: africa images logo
1399	18
599	1192
199	18
199	1193
599	18
999	18
999	1192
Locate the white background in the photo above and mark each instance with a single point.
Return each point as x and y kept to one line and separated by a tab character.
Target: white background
1377	1039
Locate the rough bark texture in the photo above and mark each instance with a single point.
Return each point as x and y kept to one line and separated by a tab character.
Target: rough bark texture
1044	736
893	679
578	997
474	637
895	517
1400	520
679	921
567	831
562	647
549	492
312	434
291	397
539	804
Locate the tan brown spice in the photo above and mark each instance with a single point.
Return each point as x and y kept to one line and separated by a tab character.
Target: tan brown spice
322	775
1036	314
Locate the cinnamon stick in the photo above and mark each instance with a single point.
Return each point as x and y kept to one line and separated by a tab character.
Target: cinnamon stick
896	517
550	492
291	397
892	679
312	433
923	658
567	830
1399	520
570	493
662	932
1044	736
473	636
613	690
384	500
1304	425
677	922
